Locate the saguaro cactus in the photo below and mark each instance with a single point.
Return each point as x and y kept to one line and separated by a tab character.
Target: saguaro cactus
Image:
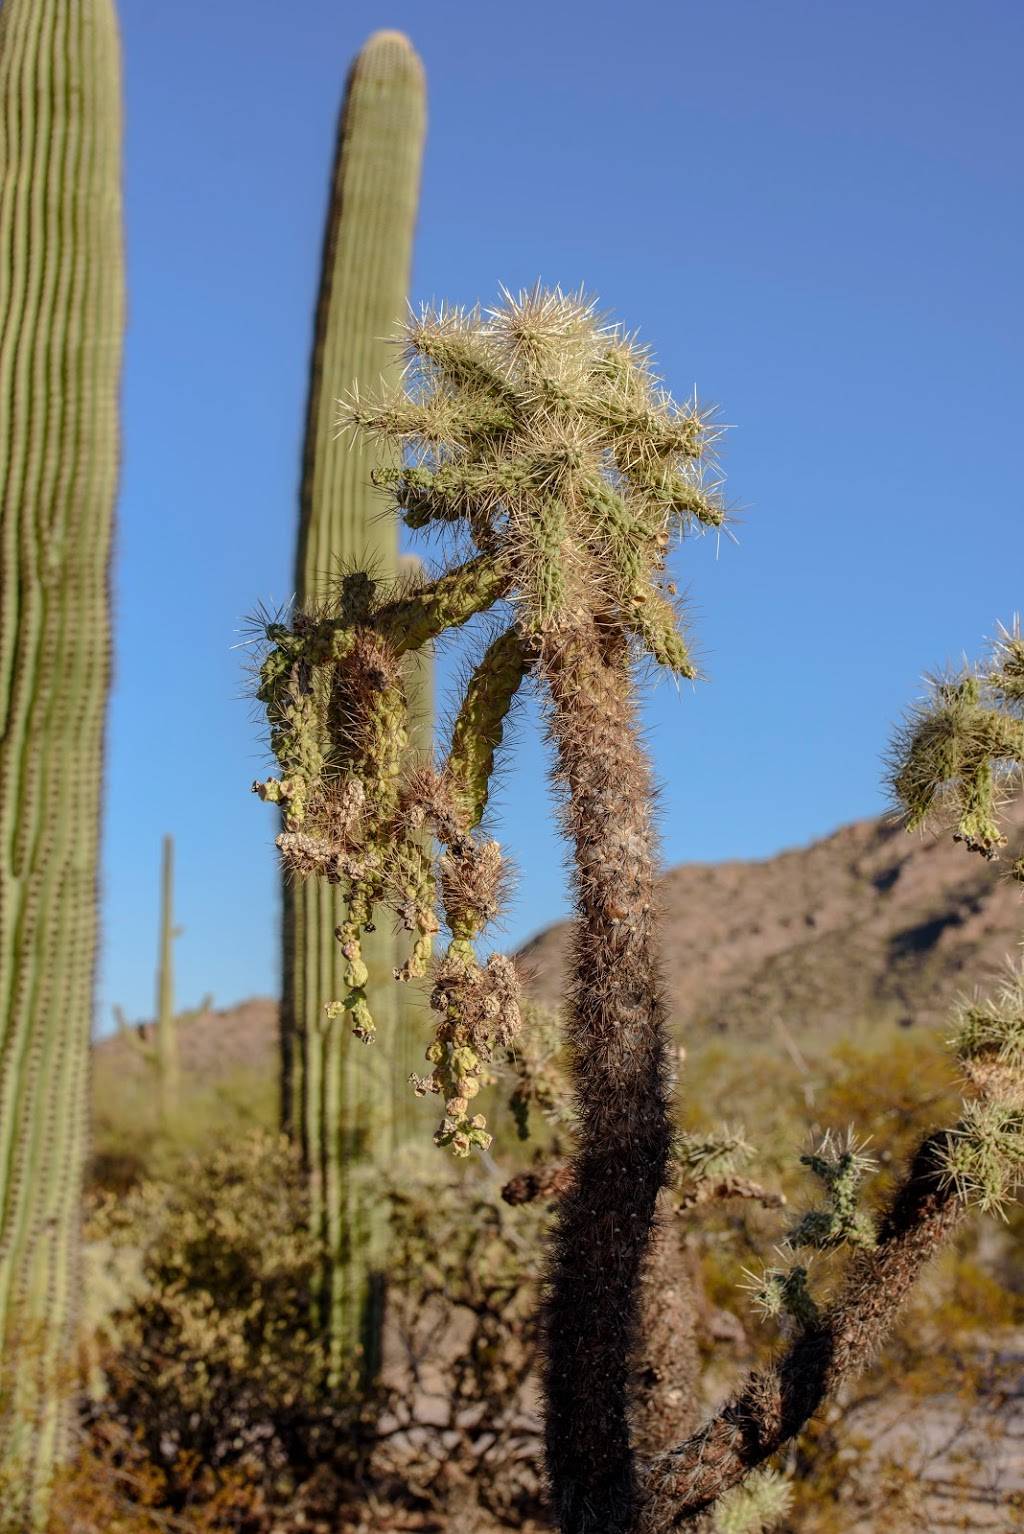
167	1056
345	1110
60	347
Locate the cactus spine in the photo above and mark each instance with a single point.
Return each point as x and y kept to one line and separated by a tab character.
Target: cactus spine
345	1105
60	345
168	1067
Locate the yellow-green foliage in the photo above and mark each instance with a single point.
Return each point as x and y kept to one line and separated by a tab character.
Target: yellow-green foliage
60	345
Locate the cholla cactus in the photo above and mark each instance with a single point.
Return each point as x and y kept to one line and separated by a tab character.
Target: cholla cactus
960	752
755	1506
539	439
840	1165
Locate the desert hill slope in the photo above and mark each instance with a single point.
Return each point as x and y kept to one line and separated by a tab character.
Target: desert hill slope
869	924
866	925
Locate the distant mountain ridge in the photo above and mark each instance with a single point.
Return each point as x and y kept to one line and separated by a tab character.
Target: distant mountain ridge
866	925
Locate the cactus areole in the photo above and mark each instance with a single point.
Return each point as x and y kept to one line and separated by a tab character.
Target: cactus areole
537	438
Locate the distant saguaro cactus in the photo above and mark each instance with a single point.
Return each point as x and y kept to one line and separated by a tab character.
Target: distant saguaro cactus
60	350
345	1111
167	1054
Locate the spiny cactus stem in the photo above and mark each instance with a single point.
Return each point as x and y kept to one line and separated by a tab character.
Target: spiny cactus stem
776	1403
60	252
480	725
412	621
616	1034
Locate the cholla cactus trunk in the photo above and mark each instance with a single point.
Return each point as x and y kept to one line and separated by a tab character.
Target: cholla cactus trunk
665	1386
616	1034
345	1107
60	347
167	1057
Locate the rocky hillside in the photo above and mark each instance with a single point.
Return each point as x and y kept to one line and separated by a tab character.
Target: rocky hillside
867	925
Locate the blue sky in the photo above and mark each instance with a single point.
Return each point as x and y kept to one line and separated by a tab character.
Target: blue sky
813	211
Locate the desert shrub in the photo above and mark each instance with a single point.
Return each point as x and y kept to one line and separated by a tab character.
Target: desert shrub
131	1143
208	1366
208	1413
207	1403
461	1426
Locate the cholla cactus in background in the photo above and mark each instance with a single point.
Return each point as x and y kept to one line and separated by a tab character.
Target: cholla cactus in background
60	351
960	753
755	1506
538	437
956	756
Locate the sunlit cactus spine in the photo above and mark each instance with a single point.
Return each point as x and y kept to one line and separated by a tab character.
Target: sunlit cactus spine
346	1109
60	350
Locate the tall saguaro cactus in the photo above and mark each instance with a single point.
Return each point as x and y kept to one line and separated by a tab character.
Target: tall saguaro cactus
60	344
343	1107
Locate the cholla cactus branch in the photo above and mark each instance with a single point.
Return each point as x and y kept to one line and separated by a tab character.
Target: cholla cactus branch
961	752
776	1402
479	728
703	1156
840	1165
980	1161
721	1189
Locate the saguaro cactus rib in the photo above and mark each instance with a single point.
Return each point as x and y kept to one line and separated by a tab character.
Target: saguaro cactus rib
60	338
338	1101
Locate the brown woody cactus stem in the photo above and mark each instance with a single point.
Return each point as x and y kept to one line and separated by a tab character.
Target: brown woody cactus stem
776	1403
665	1383
616	1035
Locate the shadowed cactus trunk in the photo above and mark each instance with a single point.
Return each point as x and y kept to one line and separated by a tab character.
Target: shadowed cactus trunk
60	350
347	1107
